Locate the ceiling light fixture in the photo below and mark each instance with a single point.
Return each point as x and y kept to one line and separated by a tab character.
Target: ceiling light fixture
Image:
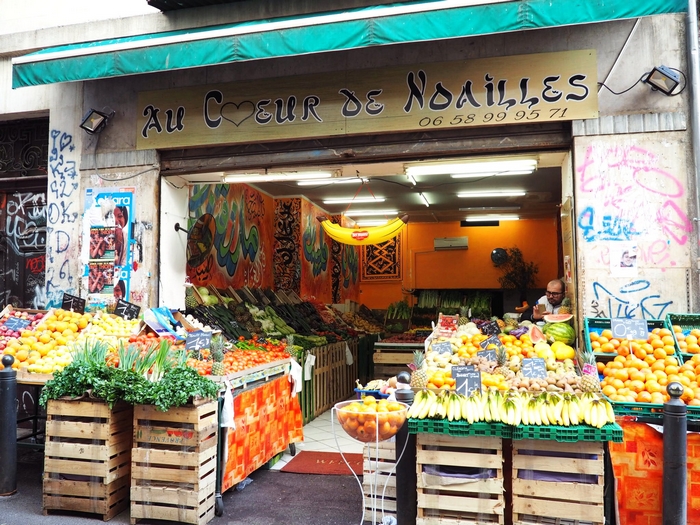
490	174
348	200
337	180
234	178
490	208
369	213
371	222
474	169
489	194
664	79
425	200
411	179
481	218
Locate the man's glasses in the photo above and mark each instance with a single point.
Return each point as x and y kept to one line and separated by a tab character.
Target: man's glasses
553	293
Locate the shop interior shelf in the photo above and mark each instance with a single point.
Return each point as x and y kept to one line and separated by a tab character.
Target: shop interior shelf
687	322
598	324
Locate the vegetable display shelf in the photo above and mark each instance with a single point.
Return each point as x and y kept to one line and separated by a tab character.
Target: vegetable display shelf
392	358
598	324
687	322
251	375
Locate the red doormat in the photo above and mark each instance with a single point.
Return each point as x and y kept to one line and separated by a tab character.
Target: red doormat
308	462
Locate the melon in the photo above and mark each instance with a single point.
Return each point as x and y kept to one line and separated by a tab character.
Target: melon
536	334
563	332
557	318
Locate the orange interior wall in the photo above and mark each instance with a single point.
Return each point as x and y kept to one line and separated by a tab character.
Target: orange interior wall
424	268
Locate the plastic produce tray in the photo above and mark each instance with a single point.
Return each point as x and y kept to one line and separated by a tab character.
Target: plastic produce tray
459	428
648	410
687	322
598	324
610	432
373	393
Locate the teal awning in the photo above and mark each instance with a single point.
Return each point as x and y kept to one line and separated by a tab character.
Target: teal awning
379	25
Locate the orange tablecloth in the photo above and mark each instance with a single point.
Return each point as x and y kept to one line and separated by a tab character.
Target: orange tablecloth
638	466
268	418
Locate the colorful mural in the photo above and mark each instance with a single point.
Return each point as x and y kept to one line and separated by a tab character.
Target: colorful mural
345	268
316	255
235	237
286	254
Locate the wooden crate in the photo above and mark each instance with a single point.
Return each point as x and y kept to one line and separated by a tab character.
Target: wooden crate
577	502
381	461
392	358
173	469
450	501
87	457
333	380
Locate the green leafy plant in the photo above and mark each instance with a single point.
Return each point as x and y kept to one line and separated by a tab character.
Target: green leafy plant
518	274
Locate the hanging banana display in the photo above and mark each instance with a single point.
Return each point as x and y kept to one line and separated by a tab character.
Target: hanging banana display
363	236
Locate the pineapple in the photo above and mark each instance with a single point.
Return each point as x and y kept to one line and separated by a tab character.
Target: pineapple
217	355
590	382
419	376
190	299
501	361
565	307
463	315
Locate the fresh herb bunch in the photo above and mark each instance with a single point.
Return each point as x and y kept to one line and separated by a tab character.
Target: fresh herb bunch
177	387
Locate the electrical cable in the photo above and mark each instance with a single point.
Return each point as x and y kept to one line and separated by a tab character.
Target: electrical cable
625	90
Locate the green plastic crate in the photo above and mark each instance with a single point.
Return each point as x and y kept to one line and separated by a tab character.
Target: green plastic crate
459	428
648	410
687	322
598	324
609	432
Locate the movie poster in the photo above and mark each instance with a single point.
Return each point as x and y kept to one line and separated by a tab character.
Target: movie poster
107	257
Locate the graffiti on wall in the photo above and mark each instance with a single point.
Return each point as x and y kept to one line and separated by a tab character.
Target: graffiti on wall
23	249
631	201
239	237
287	241
316	279
61	217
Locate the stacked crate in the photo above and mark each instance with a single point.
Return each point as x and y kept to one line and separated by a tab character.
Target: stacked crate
87	457
379	478
449	500
173	470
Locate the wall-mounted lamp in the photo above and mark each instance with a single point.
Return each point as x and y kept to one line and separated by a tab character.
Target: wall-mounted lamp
663	79
94	121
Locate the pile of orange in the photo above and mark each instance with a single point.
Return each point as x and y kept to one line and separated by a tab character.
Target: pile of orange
371	419
514	346
441	378
660	344
688	344
644	380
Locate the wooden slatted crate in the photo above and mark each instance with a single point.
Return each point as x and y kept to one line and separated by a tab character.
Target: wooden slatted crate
173	470
391	358
558	483
87	457
379	478
454	500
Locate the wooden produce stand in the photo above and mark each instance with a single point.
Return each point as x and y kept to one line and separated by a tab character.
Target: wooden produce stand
392	358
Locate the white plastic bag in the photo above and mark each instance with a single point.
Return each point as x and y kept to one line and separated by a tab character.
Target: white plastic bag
227	416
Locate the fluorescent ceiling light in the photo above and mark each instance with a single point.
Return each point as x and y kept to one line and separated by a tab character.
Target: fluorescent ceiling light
371	222
489	174
347	200
473	169
487	194
425	200
233	178
367	213
411	179
337	180
490	208
480	218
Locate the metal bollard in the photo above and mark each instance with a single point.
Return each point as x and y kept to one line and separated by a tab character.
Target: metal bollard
8	427
675	488
406	490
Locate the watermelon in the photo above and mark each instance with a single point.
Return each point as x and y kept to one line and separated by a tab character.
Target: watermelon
563	332
536	334
557	318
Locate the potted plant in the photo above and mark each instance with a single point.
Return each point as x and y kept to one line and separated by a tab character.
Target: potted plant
518	274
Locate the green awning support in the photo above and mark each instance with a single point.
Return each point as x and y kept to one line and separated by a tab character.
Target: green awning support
313	34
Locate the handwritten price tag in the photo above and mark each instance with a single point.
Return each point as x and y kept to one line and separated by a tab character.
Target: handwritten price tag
467	379
126	310
16	324
629	328
534	367
198	340
73	303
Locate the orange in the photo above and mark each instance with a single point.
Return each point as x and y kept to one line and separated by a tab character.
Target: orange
657	397
22	355
607	334
644	397
593	336
636	375
671	369
652	386
657	343
607	348
600	366
617	384
622	374
602	340
636	386
669	360
663	332
609	390
659	353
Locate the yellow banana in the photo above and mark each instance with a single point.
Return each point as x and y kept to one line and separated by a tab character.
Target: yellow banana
363	236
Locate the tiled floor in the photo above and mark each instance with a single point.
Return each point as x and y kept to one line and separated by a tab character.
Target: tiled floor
323	434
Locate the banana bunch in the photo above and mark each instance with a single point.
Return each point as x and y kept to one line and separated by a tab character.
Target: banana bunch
363	236
513	408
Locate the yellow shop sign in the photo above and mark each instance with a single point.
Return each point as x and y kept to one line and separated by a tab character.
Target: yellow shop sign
492	91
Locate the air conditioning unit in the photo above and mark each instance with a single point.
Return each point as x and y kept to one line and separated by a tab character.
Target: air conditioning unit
450	243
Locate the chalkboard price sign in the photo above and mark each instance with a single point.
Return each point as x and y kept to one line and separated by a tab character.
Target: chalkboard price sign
629	328
16	324
467	379
443	347
490	328
534	367
73	303
126	310
198	340
493	340
488	354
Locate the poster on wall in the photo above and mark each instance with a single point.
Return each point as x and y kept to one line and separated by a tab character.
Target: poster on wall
623	259
107	234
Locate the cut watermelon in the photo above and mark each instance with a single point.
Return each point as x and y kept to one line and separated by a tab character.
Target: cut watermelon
536	334
557	318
